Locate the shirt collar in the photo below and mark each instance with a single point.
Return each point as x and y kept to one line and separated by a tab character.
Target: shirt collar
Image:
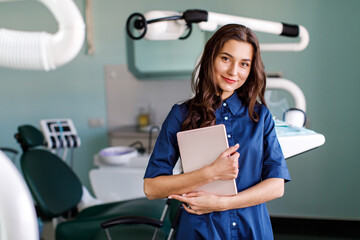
234	103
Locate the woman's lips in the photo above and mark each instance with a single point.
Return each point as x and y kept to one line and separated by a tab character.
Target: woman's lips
228	80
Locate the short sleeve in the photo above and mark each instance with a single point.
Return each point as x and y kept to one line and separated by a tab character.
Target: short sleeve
274	164
166	150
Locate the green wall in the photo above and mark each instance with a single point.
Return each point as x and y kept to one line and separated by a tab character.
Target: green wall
324	181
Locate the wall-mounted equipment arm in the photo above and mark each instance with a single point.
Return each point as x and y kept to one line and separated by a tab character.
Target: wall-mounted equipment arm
170	25
41	50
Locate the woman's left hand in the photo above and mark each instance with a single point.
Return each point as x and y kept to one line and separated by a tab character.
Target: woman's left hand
200	202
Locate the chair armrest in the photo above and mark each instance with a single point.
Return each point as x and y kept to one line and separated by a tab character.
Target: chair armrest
11	150
131	220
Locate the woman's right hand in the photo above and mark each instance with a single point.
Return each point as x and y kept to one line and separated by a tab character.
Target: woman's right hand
226	166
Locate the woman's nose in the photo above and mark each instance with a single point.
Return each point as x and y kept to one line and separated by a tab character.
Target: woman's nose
232	70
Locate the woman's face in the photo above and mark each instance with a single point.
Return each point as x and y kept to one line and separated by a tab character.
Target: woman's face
232	66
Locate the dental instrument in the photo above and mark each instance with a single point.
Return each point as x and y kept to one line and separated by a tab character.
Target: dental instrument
60	136
60	133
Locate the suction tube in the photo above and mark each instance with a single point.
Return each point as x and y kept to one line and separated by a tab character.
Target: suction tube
41	50
293	89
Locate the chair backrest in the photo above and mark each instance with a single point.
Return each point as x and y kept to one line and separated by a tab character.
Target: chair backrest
29	137
54	186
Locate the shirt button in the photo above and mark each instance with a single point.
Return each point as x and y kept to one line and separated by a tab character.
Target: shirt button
234	224
224	104
229	136
226	118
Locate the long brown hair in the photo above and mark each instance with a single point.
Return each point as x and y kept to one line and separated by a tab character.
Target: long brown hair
207	97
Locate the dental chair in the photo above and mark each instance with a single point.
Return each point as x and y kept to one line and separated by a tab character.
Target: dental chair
57	191
10	152
142	227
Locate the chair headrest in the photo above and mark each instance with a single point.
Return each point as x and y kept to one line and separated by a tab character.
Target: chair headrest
29	136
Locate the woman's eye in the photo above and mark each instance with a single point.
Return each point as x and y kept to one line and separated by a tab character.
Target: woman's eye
245	64
226	59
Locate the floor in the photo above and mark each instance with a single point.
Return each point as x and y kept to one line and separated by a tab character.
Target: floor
48	232
289	229
293	237
315	229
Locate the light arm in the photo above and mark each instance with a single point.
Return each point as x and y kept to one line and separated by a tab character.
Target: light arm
169	25
276	28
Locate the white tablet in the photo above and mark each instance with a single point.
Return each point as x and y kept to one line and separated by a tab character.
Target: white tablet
200	147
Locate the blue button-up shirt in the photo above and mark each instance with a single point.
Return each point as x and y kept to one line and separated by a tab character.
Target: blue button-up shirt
260	158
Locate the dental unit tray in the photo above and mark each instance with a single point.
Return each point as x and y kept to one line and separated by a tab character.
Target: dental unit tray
60	133
296	140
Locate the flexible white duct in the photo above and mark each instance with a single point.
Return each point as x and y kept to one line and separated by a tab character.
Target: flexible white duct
17	213
293	89
42	50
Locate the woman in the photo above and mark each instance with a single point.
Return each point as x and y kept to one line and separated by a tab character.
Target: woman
229	90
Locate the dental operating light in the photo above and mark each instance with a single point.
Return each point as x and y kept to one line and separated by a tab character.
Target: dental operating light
41	50
171	25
